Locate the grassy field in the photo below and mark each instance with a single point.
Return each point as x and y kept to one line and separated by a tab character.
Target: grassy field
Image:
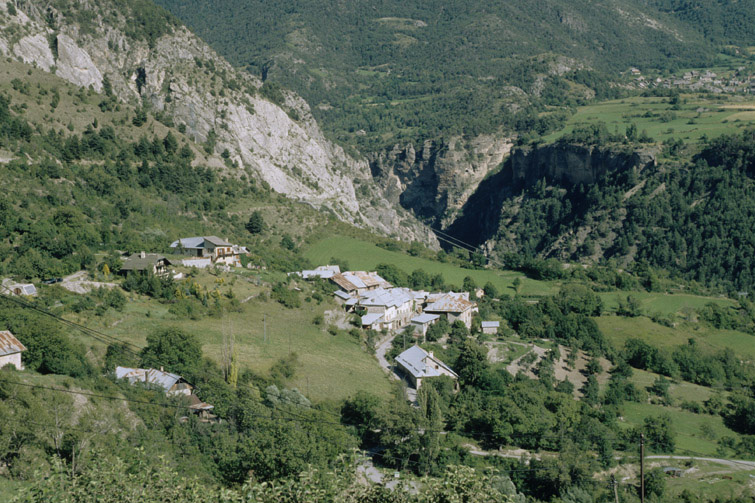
362	255
697	117
618	329
678	391
696	433
663	303
331	366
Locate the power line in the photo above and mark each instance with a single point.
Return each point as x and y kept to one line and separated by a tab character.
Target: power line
99	336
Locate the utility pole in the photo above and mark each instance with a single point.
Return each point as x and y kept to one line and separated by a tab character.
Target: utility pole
642	468
264	327
615	488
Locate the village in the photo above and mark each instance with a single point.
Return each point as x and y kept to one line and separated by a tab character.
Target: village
740	81
364	296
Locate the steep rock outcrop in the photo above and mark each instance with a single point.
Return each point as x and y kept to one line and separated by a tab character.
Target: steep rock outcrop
573	163
179	76
436	180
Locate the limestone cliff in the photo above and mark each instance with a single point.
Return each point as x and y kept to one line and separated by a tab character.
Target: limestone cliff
436	180
573	163
173	73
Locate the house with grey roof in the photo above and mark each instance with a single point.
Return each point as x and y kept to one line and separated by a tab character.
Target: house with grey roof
394	305
219	251
10	350
172	384
455	306
322	272
422	323
418	365
146	262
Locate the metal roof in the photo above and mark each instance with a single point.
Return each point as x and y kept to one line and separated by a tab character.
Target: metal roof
393	297
371	318
353	280
425	318
198	242
450	303
137	262
9	344
165	380
342	295
490	324
414	361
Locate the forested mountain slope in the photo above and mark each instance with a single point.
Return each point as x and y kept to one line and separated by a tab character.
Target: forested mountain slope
393	70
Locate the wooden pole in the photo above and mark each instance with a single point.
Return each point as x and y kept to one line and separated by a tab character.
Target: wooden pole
642	468
615	488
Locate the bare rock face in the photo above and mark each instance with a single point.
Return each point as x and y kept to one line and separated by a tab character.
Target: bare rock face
436	181
180	76
75	65
572	163
35	49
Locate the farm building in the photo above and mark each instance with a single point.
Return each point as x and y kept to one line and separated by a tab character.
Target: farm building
10	350
455	306
219	251
146	262
419	364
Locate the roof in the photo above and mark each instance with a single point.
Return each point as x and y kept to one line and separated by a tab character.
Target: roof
165	380
414	361
26	288
9	344
320	272
490	324
425	318
450	303
142	261
353	280
371	318
197	404
198	242
393	297
342	295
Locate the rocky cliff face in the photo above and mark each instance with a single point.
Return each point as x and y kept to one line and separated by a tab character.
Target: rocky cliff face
435	180
179	76
573	164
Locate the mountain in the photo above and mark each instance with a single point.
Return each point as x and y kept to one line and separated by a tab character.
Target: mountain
377	73
142	55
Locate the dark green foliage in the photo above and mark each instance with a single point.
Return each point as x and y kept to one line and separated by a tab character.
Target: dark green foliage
740	414
286	296
256	223
146	283
119	355
405	53
284	368
173	349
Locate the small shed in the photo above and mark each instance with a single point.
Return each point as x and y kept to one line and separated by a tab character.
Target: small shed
10	350
490	327
372	321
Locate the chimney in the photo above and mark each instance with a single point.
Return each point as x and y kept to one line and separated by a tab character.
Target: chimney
162	369
143	255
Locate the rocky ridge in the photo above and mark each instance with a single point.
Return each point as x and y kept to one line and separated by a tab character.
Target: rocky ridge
436	179
180	77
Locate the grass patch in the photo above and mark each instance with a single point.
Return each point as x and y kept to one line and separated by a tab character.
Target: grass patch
697	433
331	367
697	117
663	303
362	255
618	329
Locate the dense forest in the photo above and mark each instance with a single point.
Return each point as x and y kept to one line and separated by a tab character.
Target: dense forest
377	73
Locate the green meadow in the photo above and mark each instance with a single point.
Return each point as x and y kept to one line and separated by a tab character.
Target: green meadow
696	116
